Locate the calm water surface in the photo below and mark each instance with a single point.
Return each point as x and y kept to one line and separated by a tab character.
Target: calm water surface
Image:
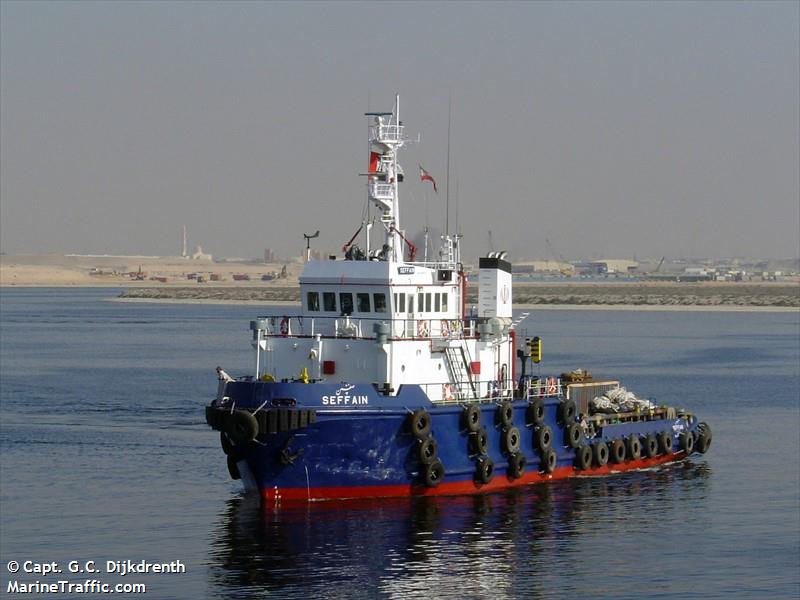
105	455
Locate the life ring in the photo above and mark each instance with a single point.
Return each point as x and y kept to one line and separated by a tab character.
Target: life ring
285	326
552	385
422	328
445	328
447	392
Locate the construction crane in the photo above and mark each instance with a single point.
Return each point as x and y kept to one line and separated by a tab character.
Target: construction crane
661	262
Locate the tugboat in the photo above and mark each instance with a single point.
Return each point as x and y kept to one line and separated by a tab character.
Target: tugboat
384	385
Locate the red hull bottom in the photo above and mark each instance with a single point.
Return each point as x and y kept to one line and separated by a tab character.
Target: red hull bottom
499	482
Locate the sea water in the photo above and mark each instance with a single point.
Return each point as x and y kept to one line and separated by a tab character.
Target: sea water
105	456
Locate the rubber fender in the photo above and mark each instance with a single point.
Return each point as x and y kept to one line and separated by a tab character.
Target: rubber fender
665	442
233	468
567	411
633	446
511	440
434	473
535	412
549	460
472	418
484	470
516	465
241	427
687	442
227	446
428	450
573	435
651	446
420	423
479	441
505	414
617	452
600	452
583	457
543	438
704	440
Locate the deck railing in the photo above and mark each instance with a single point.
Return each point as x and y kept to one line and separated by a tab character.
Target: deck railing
364	327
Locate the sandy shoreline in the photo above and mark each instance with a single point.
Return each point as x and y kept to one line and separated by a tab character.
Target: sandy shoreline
528	307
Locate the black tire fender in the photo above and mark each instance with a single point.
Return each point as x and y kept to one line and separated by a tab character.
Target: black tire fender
617	452
511	440
434	473
505	414
651	446
535	412
567	411
600	452
516	465
583	457
472	418
479	442
484	470
665	442
633	447
549	460
428	450
420	423
543	438
687	442
573	435
241	427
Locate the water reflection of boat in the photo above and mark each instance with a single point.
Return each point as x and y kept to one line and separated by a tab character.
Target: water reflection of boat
497	545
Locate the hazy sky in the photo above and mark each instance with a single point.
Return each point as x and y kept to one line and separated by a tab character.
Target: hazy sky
613	129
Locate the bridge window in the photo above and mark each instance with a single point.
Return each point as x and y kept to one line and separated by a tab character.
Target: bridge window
362	302
346	303
444	302
420	302
411	303
437	303
379	300
329	301
400	302
427	303
312	299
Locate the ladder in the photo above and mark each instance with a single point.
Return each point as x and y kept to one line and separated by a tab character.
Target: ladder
456	361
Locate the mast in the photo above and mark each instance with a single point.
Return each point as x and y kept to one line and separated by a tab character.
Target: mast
386	137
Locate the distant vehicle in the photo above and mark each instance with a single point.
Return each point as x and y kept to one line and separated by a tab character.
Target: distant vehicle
241	277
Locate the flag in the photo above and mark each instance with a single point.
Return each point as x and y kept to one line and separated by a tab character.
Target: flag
425	176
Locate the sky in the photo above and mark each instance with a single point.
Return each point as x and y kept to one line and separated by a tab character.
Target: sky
613	130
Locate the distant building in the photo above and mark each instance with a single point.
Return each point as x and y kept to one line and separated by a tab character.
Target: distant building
608	266
269	255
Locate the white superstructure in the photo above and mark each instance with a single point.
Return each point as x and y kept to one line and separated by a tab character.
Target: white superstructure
380	317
